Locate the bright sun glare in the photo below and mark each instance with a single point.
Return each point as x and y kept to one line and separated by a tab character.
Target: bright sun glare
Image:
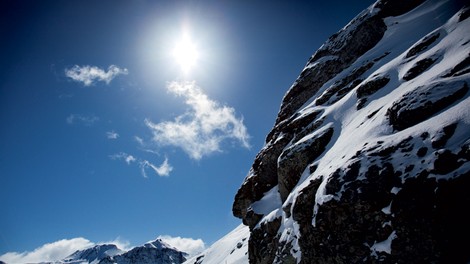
186	54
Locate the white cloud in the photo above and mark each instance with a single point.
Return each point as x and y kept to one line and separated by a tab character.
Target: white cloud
112	135
48	252
123	156
121	244
188	245
139	140
89	74
84	120
163	170
202	129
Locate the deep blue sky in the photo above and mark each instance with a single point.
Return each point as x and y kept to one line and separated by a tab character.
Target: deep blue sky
57	178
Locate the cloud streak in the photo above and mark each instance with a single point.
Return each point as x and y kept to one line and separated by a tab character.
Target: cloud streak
81	119
112	135
88	75
48	252
123	156
202	129
163	170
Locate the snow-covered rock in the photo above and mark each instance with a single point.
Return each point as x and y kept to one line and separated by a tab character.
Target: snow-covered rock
370	152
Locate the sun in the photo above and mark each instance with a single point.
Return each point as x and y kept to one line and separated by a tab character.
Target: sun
185	54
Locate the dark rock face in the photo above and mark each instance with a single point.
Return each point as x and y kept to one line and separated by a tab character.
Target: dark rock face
343	49
376	169
267	242
418	68
330	60
422	45
394	8
370	88
264	173
262	177
424	101
295	158
339	89
461	68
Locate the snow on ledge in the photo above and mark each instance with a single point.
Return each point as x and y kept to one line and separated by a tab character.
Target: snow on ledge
383	246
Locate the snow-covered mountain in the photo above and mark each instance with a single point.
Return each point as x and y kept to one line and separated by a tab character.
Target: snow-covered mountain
93	254
368	160
232	248
153	252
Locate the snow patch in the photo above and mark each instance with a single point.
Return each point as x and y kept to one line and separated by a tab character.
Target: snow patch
384	246
270	202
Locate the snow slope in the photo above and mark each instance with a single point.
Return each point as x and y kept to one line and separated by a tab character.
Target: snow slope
232	248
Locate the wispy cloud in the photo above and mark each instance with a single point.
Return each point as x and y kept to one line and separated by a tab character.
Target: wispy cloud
123	156
163	170
188	245
65	96
81	119
201	130
90	74
48	252
119	242
112	135
139	140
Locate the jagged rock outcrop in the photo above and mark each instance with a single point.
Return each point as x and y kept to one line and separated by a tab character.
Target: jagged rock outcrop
369	157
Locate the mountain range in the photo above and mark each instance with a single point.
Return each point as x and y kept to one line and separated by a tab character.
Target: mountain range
153	252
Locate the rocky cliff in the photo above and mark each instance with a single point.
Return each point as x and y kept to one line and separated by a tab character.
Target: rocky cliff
368	160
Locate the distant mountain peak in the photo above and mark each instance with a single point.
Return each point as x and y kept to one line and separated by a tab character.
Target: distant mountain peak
94	253
158	244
